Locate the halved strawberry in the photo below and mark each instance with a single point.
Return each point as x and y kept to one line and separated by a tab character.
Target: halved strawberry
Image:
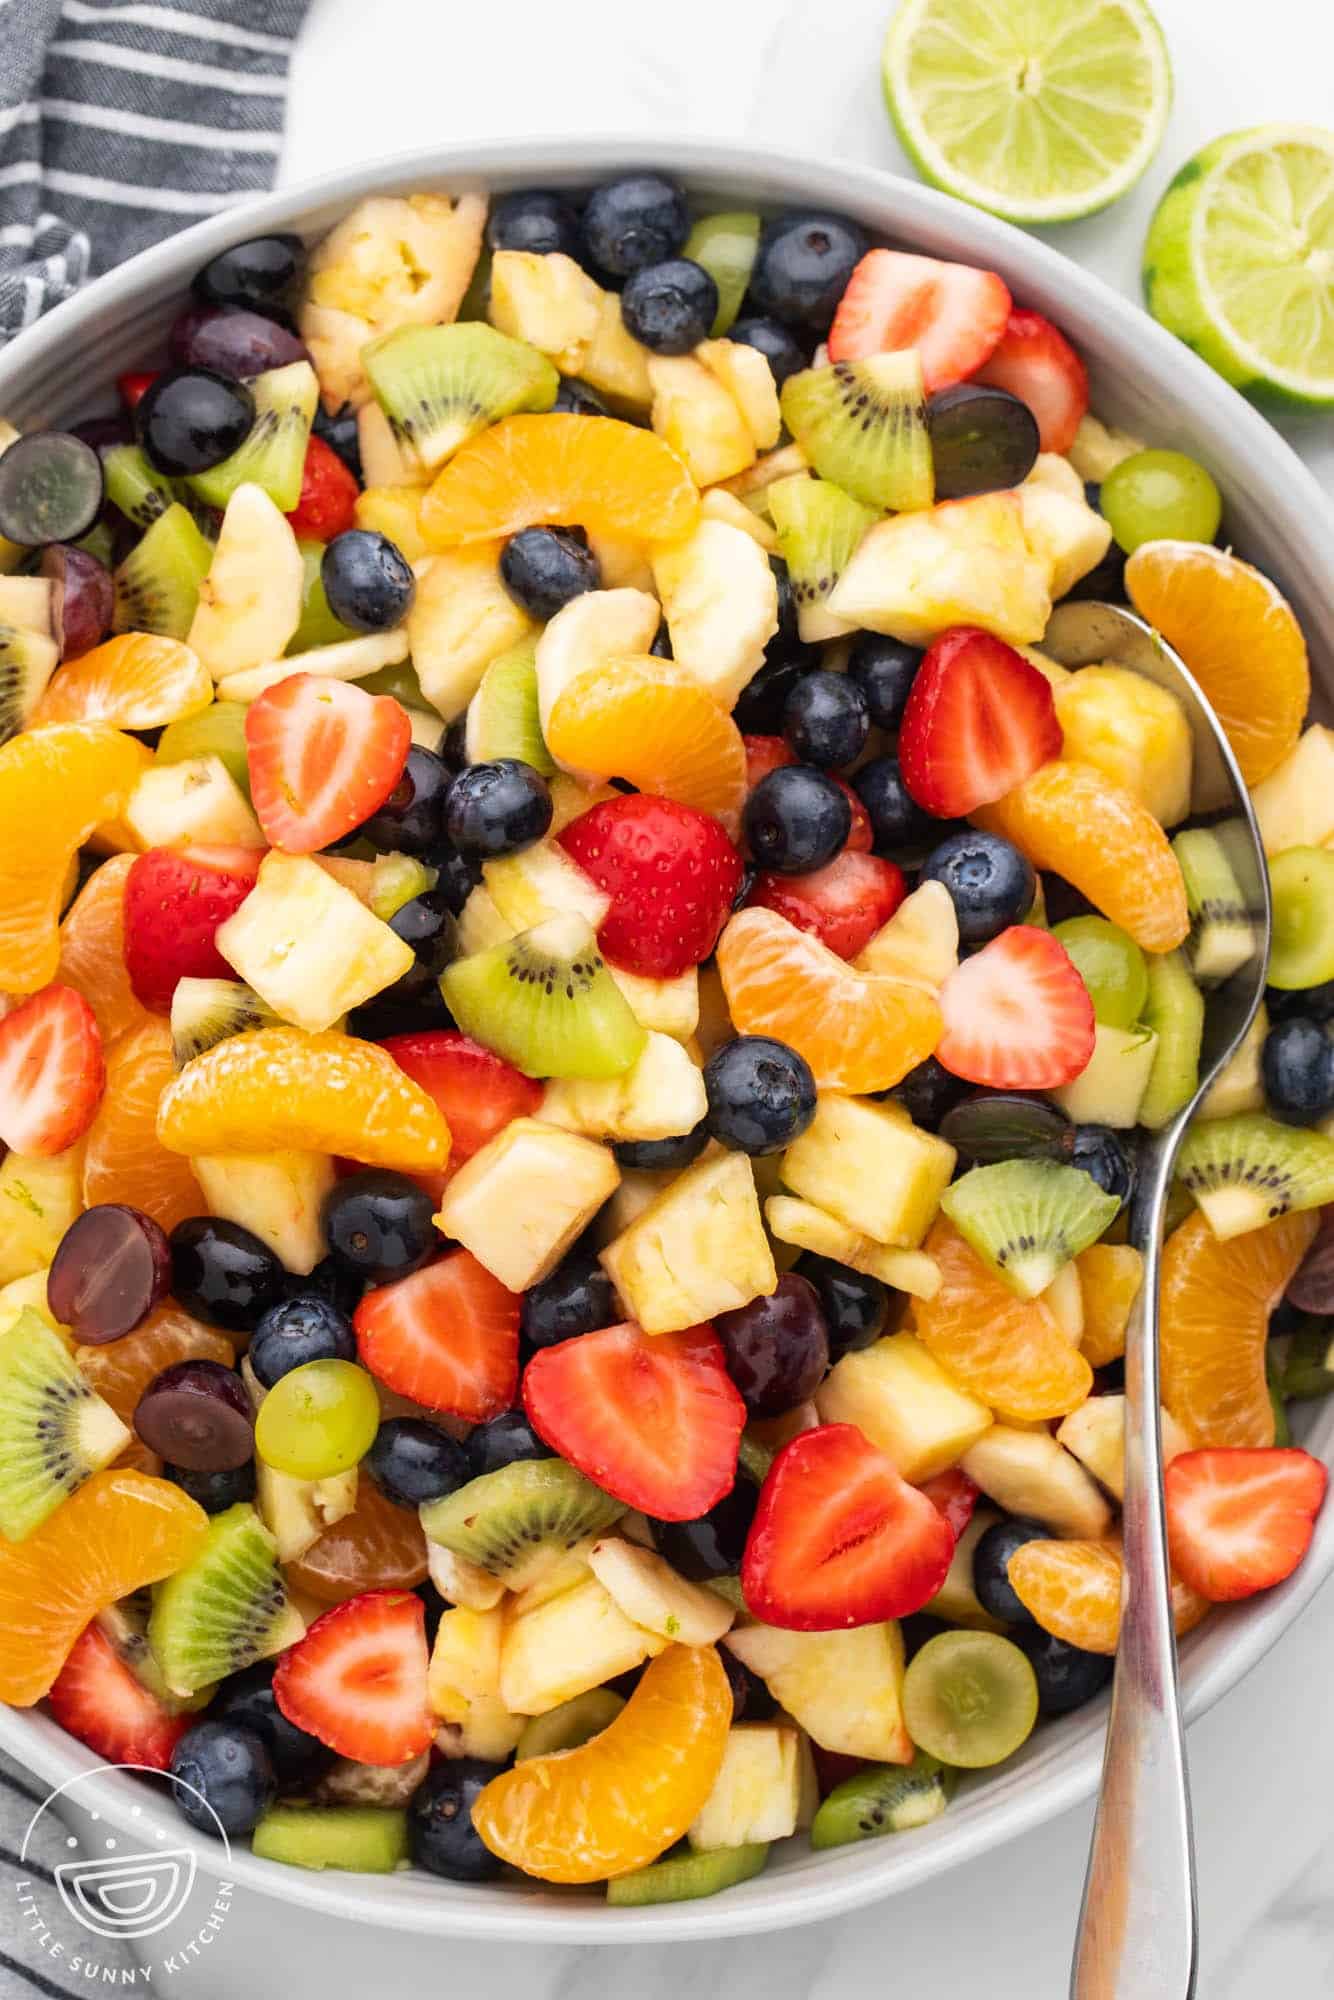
324	755
672	875
953	314
52	1074
1036	363
1241	1520
954	1494
839	1538
1017	1014
328	502
448	1337
357	1680
843	904
175	899
135	385
654	1420
979	720
98	1699
478	1091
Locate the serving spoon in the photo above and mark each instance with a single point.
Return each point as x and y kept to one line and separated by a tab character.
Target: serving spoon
1139	1925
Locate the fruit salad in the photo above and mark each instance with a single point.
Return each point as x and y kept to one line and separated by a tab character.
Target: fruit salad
578	995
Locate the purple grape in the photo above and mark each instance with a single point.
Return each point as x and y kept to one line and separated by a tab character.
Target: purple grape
1312	1287
196	1414
777	1348
112	1267
234	343
82	601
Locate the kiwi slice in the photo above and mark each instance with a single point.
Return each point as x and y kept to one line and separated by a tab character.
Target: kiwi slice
273	455
1174	1011
862	424
683	1878
1222	935
884	1798
440	385
517	1522
502	718
371	1839
546	1002
205	1011
27	661
818	527
54	1429
226	1609
1027	1218
125	1625
141	492
157	585
318	626
1301	881
1247	1170
215	731
725	245
573	1723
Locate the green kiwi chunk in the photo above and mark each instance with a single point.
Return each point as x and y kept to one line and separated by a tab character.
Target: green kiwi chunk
157	585
125	1625
573	1723
725	245
55	1430
141	492
1222	934
516	1522
884	1798
683	1878
862	424
226	1609
546	1002
318	626
1174	1011
215	731
818	528
440	385
371	1839
1028	1218
273	455
1248	1170
502	718
27	661
206	1011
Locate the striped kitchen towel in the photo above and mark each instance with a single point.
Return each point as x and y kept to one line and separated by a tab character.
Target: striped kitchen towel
123	120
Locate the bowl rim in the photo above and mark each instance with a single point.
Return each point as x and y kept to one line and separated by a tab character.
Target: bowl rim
1278	482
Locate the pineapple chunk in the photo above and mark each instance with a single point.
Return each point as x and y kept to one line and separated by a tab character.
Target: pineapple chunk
1098	449
573	1642
1028	1472
343	660
870	1166
196	803
1111	1089
956	1601
543	882
29	1295
1096	1434
639	1188
844	1688
964	562
717	504
296	1512
463	1685
387	460
903	1401
460	1581
392	511
622	564
696	416
1239	1086
749	380
615	363
920	943
665	1006
310	950
1294	805
757	1793
461	619
520	1202
587	632
662	1093
570	797
250	601
1064	1300
39	1198
547	300
277	1196
1060	527
481	924
558	1570
720	598
1133	731
698	1249
651	1594
812	1228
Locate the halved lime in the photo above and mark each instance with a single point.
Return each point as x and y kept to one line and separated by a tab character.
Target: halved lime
1039	110
1239	261
970	1699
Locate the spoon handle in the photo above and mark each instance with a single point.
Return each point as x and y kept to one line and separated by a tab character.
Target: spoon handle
1138	1929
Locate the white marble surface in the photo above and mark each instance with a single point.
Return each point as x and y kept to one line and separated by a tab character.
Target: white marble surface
372	78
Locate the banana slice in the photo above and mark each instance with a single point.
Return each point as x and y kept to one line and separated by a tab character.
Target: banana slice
250	601
650	1593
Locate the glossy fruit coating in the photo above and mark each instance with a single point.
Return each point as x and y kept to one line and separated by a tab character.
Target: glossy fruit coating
970	1698
378	1546
1007	1350
803	266
447	1337
544	569
92	949
190	419
659	1155
855	1308
715	1541
1074	1591
982	439
318	1419
379	1224
412	818
826	719
223	1273
367	579
648	721
258	272
506	1439
113	1266
991	1560
82	597
137	680
884	669
577	1298
122	1370
497	808
197	1414
761	1094
323	755
777	1348
1157	495
412	1461
898	823
123	1159
672	876
796	818
443	1838
990	883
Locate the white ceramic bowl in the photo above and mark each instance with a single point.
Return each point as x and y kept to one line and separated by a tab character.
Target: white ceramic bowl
1277	514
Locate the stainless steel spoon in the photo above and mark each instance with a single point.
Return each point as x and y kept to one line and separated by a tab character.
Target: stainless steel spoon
1139	1926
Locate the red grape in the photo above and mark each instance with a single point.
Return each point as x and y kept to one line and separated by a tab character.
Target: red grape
777	1348
196	1414
112	1267
235	343
82	598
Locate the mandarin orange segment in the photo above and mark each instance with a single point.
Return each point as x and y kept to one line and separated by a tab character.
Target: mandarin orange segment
92	950
121	1370
648	720
1110	1275
123	1160
1095	833
624	1797
1214	1324
137	680
378	1546
590	472
859	1031
1073	1590
280	1089
1009	1351
56	785
1238	636
119	1532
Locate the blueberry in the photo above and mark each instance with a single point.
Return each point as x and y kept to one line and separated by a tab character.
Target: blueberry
453	746
222	1273
330	1282
534	219
1100	1153
506	1439
578	1297
379	1020
759	706
1105	583
341	435
497	808
826	720
544	568
456	875
774	342
639	220
856	1307
884	669
214	1491
897	821
714	1544
927	1093
367	579
306	1328
991	884
412	1461
991	1556
191	418
246	1700
671	307
440	1830
258	273
761	1094
1297	1064
411	820
1067	1677
226	1777
425	922
379	1224
658	1155
576	399
796	819
802	268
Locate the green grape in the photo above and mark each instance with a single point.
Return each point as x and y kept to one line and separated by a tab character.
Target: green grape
725	245
1111	965
970	1699
1301	882
1160	495
318	625
318	1420
216	731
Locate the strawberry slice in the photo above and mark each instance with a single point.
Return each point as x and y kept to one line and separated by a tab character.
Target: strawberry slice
1017	1014
51	1071
979	720
477	1090
357	1680
1241	1520
771	753
840	1539
135	385
328	502
447	1337
843	904
954	1494
672	875
1037	364
175	900
99	1700
324	755
953	314
654	1420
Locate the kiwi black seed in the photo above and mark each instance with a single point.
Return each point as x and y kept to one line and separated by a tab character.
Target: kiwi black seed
27	662
818	527
1027	1218
54	1429
862	424
1248	1170
205	1011
546	1002
273	455
515	1522
439	385
157	585
141	493
125	1625
226	1609
884	1798
1223	934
